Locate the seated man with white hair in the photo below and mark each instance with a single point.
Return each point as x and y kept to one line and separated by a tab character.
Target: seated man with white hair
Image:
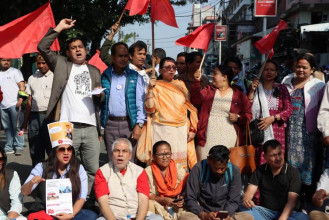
121	187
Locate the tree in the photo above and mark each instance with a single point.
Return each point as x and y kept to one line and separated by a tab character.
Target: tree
94	17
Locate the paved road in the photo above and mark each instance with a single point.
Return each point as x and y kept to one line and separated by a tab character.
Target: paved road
23	164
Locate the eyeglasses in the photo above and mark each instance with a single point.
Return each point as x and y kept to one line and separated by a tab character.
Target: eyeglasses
62	149
168	68
163	155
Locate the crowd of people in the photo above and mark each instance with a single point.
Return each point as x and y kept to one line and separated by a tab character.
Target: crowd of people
168	135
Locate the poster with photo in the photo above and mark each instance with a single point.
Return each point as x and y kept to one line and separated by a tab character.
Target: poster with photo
58	196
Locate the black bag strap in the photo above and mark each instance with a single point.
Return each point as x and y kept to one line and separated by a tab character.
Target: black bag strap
260	104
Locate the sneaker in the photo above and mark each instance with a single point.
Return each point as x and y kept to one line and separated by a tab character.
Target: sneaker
9	151
19	152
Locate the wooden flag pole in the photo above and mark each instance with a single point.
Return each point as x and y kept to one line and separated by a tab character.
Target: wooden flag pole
124	10
263	65
204	55
153	60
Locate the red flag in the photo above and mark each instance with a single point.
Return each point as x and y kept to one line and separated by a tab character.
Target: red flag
265	44
23	34
137	7
97	62
199	38
163	11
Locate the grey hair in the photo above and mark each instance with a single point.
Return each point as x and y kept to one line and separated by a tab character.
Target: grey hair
125	140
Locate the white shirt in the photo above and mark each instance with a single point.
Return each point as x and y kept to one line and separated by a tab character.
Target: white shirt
39	87
143	73
77	105
15	197
324	184
8	83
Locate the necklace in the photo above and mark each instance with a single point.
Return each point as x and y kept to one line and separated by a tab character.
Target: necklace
223	90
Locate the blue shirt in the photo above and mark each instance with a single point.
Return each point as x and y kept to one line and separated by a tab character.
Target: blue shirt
117	103
38	170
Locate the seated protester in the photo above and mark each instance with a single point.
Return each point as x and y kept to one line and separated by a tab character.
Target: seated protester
167	181
10	191
279	185
61	163
319	198
121	187
214	185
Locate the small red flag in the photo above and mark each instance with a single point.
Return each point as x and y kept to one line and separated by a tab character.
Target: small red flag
23	34
199	38
265	44
97	62
137	7
163	11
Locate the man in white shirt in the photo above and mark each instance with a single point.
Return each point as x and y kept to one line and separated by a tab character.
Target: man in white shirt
137	55
39	89
11	81
70	98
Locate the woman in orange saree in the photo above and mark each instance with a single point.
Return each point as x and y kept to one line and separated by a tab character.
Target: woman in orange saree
171	117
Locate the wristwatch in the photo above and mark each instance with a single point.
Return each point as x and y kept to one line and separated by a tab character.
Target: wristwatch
141	125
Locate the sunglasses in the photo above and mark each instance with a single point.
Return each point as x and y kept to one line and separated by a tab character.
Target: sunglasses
62	149
168	68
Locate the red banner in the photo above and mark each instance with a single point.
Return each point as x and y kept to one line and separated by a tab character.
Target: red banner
265	8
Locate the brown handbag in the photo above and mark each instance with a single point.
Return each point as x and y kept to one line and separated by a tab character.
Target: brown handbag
244	156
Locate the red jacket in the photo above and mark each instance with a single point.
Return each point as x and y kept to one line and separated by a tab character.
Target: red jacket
1	96
204	99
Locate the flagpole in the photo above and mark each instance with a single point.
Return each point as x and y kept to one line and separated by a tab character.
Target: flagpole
262	68
124	10
204	55
153	61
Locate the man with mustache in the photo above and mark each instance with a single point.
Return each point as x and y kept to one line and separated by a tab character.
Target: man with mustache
39	90
70	98
279	186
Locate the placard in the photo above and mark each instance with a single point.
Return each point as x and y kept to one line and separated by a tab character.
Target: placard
220	32
58	196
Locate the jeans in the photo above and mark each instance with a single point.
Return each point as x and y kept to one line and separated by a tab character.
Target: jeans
262	213
85	214
87	148
39	141
150	217
9	121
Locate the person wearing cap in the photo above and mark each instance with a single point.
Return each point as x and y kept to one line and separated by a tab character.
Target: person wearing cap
39	89
121	187
61	163
10	192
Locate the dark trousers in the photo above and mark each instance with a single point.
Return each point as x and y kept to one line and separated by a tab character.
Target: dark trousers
118	129
39	141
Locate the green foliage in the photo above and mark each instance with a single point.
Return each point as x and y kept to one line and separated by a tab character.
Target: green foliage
94	17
